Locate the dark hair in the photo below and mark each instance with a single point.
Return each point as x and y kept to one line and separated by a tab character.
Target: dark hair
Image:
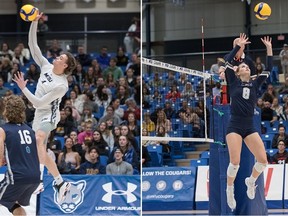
281	125
71	63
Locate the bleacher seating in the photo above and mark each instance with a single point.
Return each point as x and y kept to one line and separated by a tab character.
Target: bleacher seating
267	139
156	155
199	162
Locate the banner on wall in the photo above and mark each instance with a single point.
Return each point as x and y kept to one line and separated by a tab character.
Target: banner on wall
165	188
273	182
93	195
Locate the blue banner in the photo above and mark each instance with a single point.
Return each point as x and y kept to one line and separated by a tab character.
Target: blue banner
167	188
93	195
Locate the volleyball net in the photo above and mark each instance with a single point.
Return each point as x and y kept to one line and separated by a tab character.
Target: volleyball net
181	88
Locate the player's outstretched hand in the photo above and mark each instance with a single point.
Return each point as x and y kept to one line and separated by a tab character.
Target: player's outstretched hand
19	79
243	40
38	16
267	41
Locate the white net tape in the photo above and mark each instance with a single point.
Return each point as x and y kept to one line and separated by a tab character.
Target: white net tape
169	67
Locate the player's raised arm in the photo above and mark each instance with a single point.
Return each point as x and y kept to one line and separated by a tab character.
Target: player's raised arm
33	45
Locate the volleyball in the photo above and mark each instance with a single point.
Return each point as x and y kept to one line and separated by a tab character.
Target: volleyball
28	12
262	11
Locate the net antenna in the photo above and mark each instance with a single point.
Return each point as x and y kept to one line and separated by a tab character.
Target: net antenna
204	77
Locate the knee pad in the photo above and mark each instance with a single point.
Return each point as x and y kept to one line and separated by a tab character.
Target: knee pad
232	170
260	167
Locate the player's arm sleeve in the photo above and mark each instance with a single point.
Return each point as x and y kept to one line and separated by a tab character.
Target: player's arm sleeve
34	48
230	74
2	138
57	92
231	55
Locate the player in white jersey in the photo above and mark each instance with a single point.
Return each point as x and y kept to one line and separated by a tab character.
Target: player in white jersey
51	87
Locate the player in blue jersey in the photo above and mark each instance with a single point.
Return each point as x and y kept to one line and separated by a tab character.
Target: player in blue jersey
18	149
51	87
243	93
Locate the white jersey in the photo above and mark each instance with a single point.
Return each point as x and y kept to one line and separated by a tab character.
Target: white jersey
50	87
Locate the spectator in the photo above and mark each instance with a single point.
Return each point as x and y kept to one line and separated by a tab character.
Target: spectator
68	159
281	157
5	69
132	36
133	124
130	78
122	93
173	94
115	103
171	81
106	134
55	50
132	107
125	131
89	102
64	126
277	107
5	51
14	70
76	101
161	132
162	121
268	114
270	94
116	134
93	166
130	155
88	115
182	79
260	103
85	156
281	135
87	134
18	57
147	123
119	167
79	73
215	67
33	73
25	52
156	82
104	58
100	143
146	159
284	60
168	109
110	115
102	96
188	91
42	26
122	59
83	58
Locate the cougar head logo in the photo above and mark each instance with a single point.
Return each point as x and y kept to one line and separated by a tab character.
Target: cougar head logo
74	197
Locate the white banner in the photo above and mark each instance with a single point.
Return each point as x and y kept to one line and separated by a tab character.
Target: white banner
273	181
202	184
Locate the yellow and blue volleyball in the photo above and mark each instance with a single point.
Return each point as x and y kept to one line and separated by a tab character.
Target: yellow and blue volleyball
28	12
262	11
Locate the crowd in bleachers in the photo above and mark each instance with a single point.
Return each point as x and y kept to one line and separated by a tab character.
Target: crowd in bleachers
100	114
175	101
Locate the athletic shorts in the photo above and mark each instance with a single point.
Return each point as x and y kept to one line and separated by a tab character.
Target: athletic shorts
47	127
242	126
11	196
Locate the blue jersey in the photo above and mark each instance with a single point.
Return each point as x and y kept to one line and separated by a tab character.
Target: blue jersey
21	154
243	94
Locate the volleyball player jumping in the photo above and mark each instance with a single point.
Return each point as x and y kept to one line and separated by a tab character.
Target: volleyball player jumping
51	87
243	93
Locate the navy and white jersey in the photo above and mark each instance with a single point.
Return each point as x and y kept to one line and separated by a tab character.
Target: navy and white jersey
243	94
21	154
50	87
